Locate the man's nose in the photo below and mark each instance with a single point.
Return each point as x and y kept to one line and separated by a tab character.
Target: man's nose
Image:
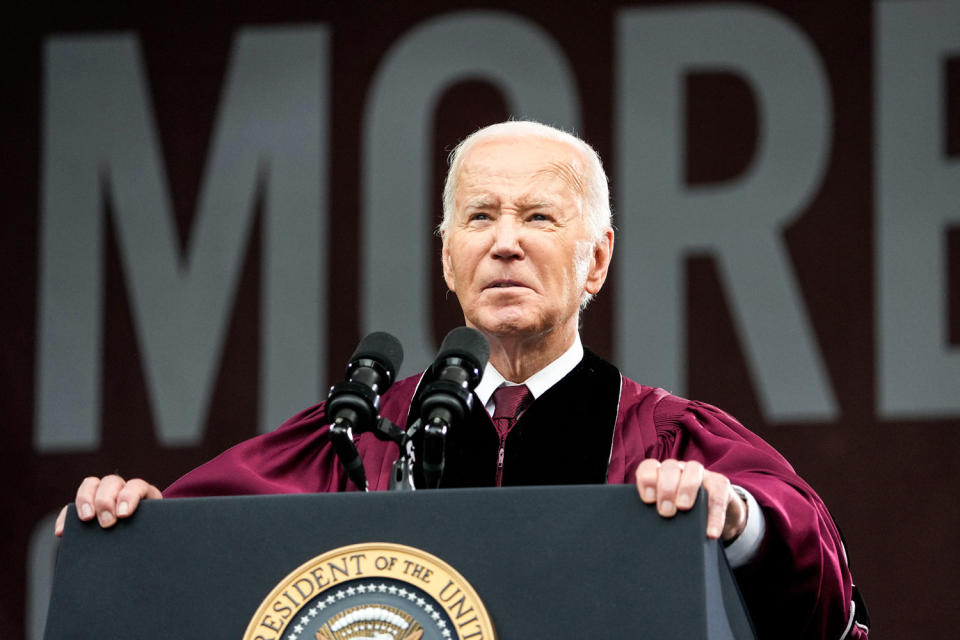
507	232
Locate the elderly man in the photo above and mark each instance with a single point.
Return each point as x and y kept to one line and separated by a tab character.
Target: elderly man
527	241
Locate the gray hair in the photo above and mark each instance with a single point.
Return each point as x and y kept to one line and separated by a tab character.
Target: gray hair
596	196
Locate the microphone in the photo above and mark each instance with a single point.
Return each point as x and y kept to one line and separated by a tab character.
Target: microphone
354	404
449	398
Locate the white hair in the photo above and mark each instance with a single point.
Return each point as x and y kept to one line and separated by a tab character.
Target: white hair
596	192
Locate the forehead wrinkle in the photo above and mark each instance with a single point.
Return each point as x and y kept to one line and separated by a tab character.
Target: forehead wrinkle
566	171
474	172
523	202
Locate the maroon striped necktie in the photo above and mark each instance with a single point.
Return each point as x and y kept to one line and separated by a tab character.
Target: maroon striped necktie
509	402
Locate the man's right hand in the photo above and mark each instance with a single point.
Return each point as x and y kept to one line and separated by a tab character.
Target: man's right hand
108	498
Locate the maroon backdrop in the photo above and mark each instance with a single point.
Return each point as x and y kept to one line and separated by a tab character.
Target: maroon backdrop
889	482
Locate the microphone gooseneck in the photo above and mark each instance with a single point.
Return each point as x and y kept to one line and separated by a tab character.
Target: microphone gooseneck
353	405
447	401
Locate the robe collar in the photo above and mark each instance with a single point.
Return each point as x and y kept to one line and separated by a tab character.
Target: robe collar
538	383
564	437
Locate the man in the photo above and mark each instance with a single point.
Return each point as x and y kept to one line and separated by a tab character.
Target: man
527	241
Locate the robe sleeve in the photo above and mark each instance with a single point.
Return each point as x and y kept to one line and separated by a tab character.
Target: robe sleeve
798	585
295	458
298	457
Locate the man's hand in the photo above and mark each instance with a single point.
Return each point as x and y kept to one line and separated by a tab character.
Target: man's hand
673	485
108	498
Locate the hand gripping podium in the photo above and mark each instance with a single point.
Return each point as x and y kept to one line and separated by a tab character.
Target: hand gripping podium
546	562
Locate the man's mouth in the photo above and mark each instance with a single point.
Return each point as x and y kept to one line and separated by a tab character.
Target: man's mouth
503	284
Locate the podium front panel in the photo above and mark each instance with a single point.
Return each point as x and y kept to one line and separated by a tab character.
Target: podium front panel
548	562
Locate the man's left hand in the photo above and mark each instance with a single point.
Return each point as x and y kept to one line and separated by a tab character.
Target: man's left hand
673	484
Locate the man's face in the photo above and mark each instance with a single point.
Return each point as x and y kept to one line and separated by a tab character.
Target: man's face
517	252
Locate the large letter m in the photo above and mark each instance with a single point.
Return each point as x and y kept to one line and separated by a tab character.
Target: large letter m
100	145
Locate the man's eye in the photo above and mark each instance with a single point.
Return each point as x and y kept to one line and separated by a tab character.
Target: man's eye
478	217
539	217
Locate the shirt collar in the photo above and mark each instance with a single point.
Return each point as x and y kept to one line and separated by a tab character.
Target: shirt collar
539	382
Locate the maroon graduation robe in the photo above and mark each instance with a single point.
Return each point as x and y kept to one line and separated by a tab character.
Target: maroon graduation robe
593	426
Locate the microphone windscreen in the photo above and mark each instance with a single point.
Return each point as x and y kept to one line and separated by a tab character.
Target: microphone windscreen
383	348
466	343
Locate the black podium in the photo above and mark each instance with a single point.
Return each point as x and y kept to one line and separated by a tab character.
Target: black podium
548	562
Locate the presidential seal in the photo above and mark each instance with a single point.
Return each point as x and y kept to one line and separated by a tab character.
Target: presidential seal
372	591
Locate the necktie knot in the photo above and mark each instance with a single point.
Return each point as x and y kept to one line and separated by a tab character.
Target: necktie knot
509	401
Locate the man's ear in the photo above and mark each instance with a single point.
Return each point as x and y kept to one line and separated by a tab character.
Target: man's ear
447	266
600	263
